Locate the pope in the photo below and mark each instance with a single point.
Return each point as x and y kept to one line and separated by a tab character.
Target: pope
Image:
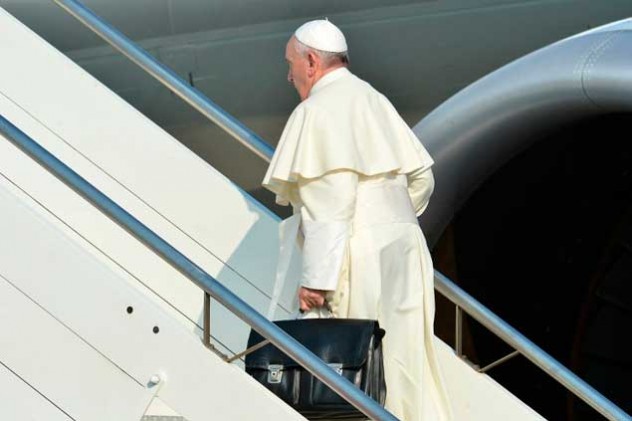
359	178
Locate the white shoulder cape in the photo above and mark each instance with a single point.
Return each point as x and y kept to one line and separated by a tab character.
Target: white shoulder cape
343	124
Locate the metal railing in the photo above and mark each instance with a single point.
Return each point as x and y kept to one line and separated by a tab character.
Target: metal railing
525	347
253	142
206	282
169	78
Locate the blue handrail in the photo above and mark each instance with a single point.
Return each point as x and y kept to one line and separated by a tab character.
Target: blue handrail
169	78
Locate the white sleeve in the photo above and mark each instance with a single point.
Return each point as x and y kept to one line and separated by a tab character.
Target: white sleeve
420	187
328	208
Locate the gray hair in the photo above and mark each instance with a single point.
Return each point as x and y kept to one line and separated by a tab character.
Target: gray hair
328	58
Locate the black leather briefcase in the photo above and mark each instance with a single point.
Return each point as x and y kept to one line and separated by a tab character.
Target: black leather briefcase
352	347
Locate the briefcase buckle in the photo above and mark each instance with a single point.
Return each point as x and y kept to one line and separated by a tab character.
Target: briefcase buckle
275	372
337	367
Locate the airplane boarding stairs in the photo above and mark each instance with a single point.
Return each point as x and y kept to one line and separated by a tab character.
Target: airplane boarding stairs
97	326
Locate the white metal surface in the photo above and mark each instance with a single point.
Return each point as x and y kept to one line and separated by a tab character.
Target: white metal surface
157	179
57	363
20	402
95	345
476	396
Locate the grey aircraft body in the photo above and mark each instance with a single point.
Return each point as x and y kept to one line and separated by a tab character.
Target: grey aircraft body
418	52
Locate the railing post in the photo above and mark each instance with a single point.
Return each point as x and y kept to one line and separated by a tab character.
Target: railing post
207	320
458	334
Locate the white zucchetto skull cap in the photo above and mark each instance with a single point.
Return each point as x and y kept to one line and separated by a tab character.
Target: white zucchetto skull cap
322	35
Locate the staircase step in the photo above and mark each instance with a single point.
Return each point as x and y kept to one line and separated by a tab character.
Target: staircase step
162	418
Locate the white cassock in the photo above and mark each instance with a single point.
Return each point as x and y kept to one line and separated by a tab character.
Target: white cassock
359	177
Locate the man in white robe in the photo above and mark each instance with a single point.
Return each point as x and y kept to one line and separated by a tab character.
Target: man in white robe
359	178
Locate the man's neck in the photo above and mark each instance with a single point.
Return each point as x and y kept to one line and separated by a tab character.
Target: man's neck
325	72
329	70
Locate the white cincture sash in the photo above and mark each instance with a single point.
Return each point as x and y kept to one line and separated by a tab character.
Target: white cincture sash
382	203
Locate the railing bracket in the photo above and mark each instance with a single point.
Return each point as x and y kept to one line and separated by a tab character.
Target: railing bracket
498	362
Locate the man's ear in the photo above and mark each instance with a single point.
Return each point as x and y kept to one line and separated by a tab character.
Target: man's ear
312	60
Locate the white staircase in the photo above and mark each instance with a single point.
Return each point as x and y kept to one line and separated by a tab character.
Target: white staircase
94	324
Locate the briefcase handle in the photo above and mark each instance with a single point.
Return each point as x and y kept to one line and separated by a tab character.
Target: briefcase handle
317	312
326	306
